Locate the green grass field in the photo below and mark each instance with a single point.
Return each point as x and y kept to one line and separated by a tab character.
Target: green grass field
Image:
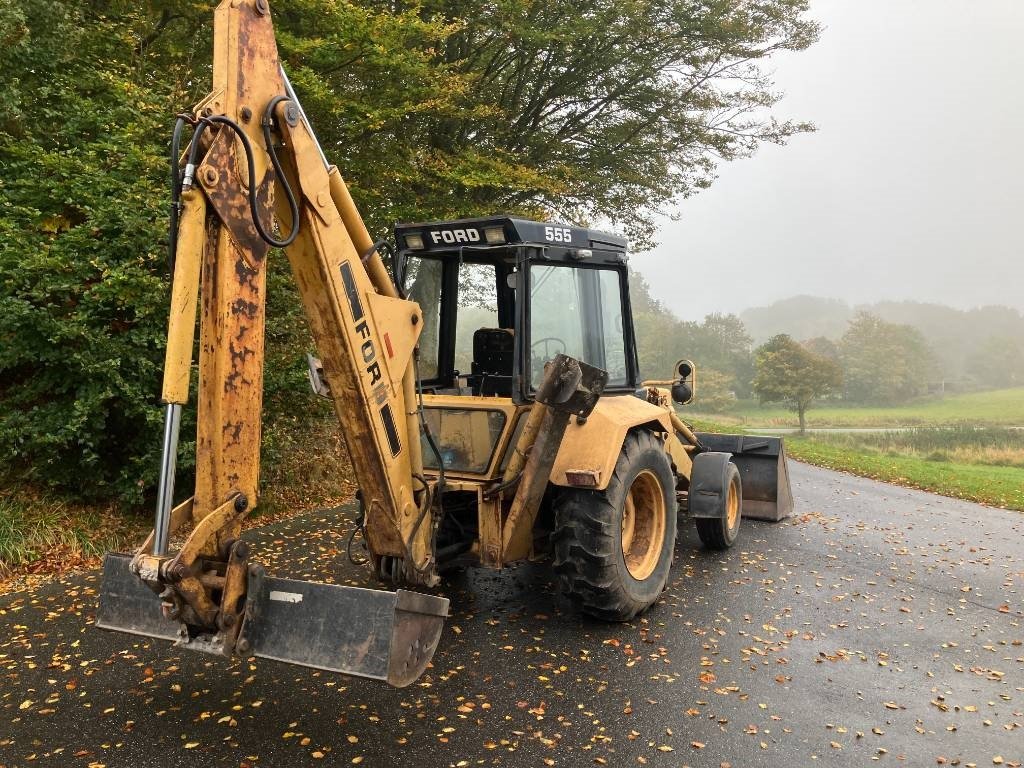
1004	407
957	446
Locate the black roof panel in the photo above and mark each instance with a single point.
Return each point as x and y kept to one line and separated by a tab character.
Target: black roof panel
446	235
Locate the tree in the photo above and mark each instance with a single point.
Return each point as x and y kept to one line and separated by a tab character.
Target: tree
590	109
999	362
714	392
722	343
787	372
884	363
823	347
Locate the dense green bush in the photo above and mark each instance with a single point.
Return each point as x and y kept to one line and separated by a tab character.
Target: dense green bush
82	291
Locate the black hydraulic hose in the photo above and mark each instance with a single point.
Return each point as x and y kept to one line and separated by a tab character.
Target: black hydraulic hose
251	167
175	177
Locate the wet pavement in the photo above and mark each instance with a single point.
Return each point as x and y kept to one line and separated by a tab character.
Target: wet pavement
877	625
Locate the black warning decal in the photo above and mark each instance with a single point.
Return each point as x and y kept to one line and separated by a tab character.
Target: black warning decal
389	429
351	291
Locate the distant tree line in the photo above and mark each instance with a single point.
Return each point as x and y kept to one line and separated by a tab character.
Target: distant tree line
870	360
975	348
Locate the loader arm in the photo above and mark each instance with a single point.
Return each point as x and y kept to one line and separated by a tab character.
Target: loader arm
253	154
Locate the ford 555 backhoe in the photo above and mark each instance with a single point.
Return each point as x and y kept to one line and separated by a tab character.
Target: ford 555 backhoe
486	385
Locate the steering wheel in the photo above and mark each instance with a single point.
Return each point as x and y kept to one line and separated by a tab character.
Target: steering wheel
548	342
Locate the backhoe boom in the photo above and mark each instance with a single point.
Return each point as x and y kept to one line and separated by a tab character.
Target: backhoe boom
253	154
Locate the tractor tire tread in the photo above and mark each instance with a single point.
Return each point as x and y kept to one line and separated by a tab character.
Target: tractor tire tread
586	541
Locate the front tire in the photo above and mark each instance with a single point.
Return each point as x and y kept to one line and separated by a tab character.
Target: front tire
613	548
721	532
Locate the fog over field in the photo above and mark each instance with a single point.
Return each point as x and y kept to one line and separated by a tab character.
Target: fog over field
912	188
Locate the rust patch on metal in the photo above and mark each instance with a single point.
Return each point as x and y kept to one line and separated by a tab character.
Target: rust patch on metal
221	179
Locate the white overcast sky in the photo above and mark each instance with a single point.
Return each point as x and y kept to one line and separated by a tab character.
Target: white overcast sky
912	187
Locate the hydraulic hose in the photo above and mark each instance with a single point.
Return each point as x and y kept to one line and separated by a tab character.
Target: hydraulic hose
268	118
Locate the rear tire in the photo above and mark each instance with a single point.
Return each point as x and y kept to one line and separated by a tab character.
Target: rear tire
721	532
613	548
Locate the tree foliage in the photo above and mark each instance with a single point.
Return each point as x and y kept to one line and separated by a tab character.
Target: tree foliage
432	110
607	109
82	300
968	345
884	363
789	373
719	346
999	361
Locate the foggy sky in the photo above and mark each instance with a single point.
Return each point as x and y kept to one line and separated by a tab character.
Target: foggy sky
912	188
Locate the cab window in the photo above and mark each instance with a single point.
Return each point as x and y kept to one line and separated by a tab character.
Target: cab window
576	311
477	308
423	280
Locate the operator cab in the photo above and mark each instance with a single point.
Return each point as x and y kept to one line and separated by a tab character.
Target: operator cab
501	296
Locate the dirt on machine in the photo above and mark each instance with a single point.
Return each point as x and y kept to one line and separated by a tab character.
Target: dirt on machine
485	377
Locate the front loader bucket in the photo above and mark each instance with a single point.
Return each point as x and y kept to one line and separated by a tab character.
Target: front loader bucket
763	472
364	632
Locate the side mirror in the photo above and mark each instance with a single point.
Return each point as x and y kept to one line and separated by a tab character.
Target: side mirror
685	385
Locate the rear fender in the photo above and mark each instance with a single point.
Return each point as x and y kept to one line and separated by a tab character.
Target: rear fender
594	445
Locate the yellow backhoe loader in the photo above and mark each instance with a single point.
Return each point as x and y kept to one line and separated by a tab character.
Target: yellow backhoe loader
485	380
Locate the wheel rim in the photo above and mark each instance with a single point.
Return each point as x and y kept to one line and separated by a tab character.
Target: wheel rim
732	508
643	525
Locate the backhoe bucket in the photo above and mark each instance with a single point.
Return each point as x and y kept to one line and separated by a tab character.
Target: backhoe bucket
763	472
371	633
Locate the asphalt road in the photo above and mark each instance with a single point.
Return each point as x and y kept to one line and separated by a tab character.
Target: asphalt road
876	624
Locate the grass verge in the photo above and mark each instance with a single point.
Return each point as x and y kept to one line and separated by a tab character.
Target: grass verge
41	534
1004	407
999	486
304	466
982	465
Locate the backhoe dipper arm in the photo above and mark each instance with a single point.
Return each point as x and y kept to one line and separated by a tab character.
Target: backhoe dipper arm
253	153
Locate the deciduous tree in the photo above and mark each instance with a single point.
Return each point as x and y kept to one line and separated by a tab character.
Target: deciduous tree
884	363
789	373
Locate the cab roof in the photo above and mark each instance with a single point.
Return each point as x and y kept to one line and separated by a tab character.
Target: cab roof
503	230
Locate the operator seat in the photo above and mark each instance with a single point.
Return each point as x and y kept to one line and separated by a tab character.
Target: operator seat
493	356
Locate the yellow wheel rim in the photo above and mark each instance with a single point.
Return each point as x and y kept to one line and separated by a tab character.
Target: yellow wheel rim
732	509
643	525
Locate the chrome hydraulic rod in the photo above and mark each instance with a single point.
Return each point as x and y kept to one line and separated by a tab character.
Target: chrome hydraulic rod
168	464
290	92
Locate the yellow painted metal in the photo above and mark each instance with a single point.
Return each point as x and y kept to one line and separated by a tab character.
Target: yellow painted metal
206	531
381	280
643	525
233	281
489	527
517	530
179	515
365	341
595	444
522	447
184	297
230	382
684	430
732	507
